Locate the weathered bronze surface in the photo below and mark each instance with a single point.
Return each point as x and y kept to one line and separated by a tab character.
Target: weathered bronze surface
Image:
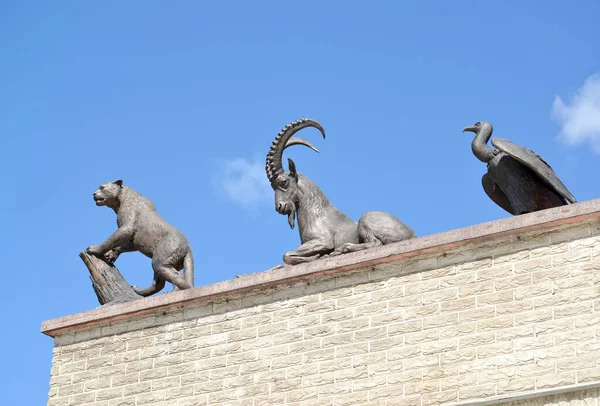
140	228
517	179
108	283
324	229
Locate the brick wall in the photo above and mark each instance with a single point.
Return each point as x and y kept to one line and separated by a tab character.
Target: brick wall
508	315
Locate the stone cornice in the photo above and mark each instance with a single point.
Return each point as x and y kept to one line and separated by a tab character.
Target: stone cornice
427	245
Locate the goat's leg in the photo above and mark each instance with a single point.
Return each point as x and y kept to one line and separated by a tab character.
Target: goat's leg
309	251
370	242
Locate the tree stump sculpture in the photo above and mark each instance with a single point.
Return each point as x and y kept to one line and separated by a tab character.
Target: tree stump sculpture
107	281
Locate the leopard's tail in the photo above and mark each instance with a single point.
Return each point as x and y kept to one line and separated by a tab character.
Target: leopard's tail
188	268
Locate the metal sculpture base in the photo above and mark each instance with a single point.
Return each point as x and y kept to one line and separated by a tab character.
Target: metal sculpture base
107	281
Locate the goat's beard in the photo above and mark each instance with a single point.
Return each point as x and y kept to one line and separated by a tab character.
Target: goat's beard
292	219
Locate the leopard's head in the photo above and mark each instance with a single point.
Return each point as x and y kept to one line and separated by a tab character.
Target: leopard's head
108	193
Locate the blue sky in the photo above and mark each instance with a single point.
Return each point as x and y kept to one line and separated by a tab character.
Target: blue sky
182	100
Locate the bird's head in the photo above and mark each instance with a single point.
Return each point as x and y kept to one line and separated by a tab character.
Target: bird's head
477	127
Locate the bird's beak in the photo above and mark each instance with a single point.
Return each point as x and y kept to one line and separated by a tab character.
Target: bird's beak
467	129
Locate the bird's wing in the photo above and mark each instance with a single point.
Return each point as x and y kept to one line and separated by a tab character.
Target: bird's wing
495	193
534	162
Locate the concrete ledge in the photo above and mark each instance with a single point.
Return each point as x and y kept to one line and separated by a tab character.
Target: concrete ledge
529	395
428	245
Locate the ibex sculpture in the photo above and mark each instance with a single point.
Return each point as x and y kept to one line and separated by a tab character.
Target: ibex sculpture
324	230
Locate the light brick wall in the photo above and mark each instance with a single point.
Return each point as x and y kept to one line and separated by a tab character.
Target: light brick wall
512	315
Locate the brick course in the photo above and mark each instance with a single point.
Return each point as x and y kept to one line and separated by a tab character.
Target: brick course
510	315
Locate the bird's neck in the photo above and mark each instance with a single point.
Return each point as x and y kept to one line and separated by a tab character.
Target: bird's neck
480	147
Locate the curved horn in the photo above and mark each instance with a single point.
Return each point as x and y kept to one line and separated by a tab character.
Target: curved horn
299	141
283	140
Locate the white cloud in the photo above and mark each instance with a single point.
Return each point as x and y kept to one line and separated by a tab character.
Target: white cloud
580	119
244	181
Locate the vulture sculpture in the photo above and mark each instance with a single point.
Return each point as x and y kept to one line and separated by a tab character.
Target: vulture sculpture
517	179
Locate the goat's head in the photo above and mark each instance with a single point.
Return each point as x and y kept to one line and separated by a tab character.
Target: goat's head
285	184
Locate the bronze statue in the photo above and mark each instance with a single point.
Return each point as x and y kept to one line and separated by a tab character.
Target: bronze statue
517	179
324	230
142	229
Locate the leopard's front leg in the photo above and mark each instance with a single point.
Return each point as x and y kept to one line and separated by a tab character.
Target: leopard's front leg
120	237
112	255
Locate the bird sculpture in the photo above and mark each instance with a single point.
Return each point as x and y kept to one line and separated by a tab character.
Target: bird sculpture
517	179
